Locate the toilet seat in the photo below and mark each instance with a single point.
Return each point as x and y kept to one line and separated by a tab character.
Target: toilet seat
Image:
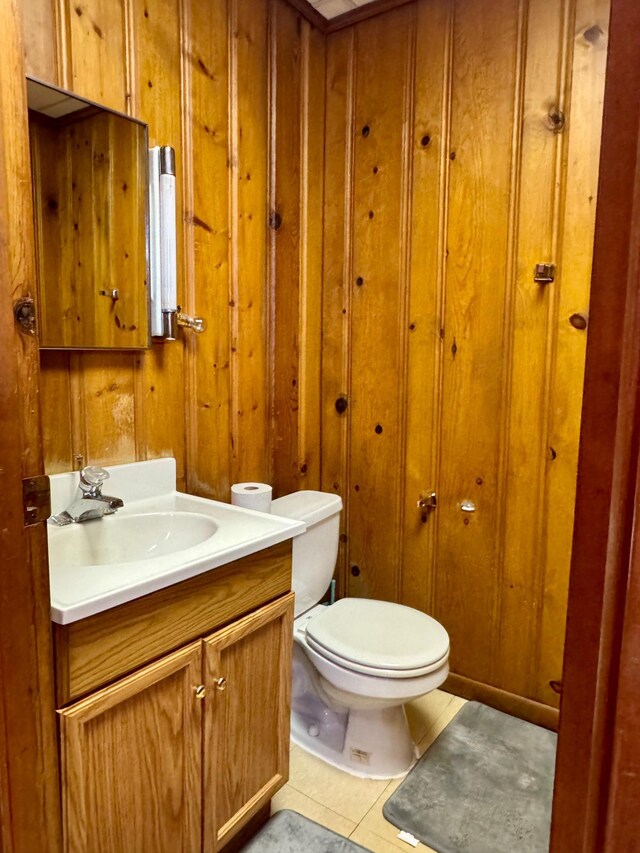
378	638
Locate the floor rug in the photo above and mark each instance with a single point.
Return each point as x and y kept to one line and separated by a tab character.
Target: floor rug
289	832
484	786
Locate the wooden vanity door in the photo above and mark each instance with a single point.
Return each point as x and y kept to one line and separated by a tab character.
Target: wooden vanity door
246	731
131	762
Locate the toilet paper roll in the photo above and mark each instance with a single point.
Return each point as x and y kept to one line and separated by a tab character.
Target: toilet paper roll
252	496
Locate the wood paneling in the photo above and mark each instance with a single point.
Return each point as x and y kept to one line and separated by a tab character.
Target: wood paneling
537	200
384	58
206	76
415	302
156	42
39	37
470	130
596	791
477	295
97	45
588	35
238	90
296	256
337	278
29	787
248	297
429	150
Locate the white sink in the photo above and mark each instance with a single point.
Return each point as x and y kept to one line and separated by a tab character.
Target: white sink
158	538
128	538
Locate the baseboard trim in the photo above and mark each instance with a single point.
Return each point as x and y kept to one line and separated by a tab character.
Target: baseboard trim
502	700
235	844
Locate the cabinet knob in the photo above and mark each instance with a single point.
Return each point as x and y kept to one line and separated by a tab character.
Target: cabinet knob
200	691
220	683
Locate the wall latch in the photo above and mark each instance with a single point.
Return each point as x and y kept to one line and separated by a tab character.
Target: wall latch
544	273
427	500
36	499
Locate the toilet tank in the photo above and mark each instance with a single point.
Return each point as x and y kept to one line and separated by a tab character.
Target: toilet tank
314	551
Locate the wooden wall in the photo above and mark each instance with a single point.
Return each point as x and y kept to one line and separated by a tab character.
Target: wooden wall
237	88
462	144
361	215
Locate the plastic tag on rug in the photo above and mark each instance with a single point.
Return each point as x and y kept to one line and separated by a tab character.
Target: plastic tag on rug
410	839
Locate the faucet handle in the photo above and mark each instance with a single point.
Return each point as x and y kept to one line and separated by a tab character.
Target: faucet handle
93	475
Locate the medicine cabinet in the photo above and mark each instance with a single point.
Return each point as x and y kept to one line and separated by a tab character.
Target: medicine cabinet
90	179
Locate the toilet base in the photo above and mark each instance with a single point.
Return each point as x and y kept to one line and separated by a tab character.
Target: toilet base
376	744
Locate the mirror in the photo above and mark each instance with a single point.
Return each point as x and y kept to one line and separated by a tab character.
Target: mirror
90	177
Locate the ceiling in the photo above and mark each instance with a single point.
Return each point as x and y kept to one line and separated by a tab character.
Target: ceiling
333	8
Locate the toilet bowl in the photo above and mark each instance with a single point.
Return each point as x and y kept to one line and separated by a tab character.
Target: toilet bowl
355	662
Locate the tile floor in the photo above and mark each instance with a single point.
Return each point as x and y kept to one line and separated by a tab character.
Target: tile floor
352	806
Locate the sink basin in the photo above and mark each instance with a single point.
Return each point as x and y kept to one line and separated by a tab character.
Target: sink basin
128	538
160	537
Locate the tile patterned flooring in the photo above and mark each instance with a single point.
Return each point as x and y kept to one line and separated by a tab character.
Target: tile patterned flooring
352	806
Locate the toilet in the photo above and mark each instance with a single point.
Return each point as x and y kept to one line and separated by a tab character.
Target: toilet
355	662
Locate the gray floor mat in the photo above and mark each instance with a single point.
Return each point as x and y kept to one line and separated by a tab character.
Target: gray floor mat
484	786
289	832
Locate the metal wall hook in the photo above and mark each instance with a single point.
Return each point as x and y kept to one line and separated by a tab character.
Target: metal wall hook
114	294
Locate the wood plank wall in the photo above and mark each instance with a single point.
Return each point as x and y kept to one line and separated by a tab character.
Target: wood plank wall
237	88
361	214
462	145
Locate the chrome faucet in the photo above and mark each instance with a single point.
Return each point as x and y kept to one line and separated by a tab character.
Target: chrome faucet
89	501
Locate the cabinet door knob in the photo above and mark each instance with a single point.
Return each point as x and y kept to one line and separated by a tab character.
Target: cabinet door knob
200	691
220	683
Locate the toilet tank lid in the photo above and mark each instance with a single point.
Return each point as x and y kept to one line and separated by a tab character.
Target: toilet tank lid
308	506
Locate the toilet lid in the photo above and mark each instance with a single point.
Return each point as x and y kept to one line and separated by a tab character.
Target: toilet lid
379	638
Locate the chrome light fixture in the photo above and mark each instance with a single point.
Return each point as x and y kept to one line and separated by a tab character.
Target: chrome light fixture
162	242
165	311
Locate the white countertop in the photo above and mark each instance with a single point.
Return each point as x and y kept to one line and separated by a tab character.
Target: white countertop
78	591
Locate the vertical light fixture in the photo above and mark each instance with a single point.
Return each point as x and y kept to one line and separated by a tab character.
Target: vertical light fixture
162	242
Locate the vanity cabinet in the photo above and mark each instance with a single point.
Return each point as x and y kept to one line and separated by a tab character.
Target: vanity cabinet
131	762
246	726
179	754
